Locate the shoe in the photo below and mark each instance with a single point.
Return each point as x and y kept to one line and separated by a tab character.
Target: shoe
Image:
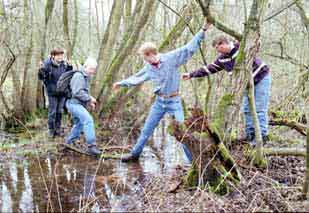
252	143
51	133
129	158
93	150
250	137
265	138
59	133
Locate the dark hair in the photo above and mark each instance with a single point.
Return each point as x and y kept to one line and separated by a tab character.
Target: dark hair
56	51
220	40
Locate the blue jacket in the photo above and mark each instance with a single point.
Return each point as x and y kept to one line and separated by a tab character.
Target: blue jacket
50	74
166	77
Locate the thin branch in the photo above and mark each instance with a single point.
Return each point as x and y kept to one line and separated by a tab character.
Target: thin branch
188	25
279	11
8	66
218	24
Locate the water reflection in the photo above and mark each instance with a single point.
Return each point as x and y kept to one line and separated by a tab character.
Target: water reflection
6	200
83	183
26	202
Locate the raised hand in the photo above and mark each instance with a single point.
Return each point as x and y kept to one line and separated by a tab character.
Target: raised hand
206	24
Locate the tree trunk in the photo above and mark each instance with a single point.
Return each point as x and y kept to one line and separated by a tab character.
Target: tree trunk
119	59
27	88
252	40
107	45
212	164
66	31
40	98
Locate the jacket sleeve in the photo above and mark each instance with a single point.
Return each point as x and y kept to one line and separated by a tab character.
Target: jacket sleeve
43	73
212	68
68	67
137	78
184	53
78	87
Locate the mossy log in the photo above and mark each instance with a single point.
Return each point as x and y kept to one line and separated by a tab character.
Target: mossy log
212	164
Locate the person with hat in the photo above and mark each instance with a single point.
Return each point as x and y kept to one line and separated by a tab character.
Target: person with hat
49	72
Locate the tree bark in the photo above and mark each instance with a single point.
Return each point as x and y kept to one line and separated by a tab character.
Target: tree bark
40	98
118	60
107	45
212	163
66	30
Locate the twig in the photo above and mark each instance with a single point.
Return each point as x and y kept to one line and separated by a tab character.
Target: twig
280	11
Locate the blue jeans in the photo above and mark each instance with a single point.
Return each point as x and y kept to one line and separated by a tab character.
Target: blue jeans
261	95
55	110
82	122
161	106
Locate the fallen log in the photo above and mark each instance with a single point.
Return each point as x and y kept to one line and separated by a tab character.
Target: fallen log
83	152
285	151
301	128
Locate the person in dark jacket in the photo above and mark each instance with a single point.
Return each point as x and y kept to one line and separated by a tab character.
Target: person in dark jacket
228	52
50	72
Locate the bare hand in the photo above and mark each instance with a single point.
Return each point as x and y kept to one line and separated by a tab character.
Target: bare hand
92	105
206	24
41	64
116	86
186	76
93	100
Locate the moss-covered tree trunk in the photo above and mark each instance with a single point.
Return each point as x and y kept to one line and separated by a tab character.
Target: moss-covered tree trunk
123	53
107	45
251	40
212	163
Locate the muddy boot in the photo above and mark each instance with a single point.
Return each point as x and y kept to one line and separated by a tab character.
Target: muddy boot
265	139
59	133
93	150
129	158
51	133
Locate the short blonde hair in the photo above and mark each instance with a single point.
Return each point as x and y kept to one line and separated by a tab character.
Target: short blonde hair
148	47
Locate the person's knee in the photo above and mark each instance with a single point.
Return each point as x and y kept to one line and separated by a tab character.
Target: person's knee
88	120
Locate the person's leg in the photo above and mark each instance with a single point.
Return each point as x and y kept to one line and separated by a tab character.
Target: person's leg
249	126
52	110
155	115
77	125
60	109
175	109
86	121
262	93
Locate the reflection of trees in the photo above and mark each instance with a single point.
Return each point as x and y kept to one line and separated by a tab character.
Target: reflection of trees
76	184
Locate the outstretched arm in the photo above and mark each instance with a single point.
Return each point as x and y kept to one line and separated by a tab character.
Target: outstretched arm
184	53
212	68
134	80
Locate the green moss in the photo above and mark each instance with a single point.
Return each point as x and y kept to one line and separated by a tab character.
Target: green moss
191	179
219	116
219	186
